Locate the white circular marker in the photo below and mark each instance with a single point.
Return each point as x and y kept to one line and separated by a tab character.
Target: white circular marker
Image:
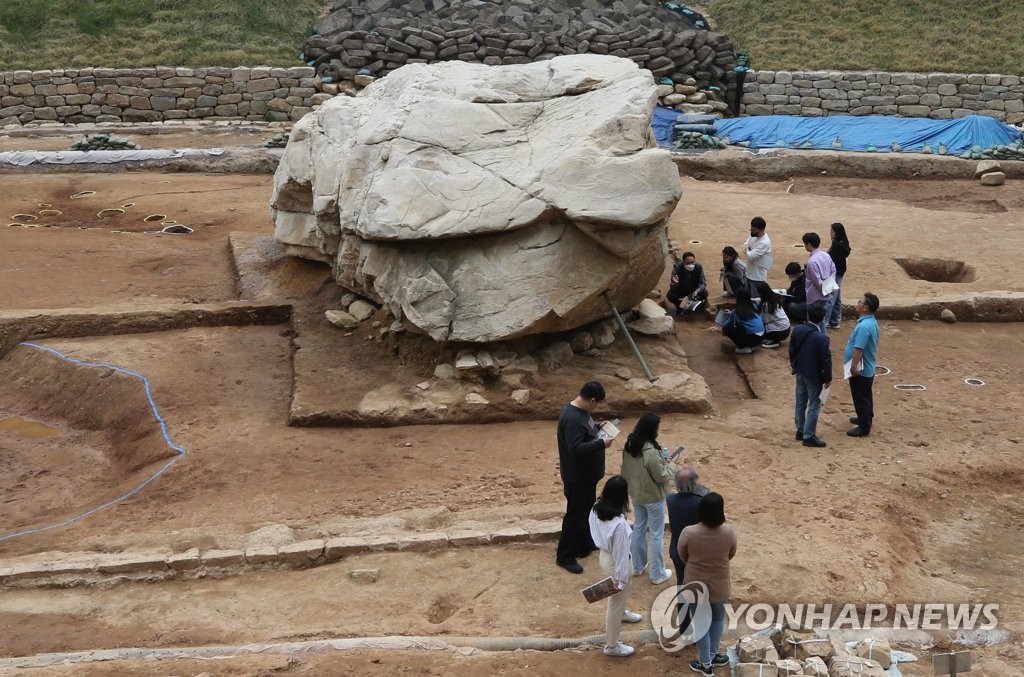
974	382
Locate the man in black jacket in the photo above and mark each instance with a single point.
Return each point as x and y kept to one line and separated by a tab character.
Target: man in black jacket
581	464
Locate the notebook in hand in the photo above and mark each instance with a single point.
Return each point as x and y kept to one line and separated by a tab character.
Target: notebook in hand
601	590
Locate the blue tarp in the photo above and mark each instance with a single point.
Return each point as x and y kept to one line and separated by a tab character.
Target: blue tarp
867	133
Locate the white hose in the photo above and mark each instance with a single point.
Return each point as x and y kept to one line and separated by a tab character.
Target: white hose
393	643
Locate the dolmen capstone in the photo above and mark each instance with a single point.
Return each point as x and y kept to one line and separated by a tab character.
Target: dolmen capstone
482	203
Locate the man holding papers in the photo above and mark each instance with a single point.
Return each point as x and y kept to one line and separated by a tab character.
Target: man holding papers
859	360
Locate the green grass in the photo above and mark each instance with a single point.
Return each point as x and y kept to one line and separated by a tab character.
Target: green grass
892	35
43	34
896	35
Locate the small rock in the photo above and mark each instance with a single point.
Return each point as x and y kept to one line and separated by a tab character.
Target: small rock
444	371
650	309
581	341
653	326
522	365
555	356
987	167
396	327
361	310
424	385
947	315
916	318
624	373
341	319
474	398
604	334
993	179
348	299
365	575
466	362
520	396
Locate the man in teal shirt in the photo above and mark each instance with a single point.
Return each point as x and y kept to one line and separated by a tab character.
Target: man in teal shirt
861	351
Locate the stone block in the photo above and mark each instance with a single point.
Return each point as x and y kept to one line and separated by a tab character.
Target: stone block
262	85
378	543
463	537
343	546
184	561
365	575
227	111
551	530
223	558
44	113
422	542
993	179
162	103
303	552
126	563
510	535
914	111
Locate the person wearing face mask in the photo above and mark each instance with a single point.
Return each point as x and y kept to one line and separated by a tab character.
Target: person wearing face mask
687	282
795	302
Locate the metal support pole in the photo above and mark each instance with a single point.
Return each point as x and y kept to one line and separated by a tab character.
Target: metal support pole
629	339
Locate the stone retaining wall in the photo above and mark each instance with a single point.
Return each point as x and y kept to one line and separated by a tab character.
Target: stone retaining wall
941	96
156	94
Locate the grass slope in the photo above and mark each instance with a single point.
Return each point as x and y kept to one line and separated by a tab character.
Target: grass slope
894	35
43	34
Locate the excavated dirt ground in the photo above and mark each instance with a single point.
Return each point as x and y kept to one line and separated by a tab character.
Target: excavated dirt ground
926	509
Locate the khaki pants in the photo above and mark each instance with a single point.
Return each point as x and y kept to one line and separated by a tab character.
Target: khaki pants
616	603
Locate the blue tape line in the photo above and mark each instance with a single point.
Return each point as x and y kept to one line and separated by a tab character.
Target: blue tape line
163	429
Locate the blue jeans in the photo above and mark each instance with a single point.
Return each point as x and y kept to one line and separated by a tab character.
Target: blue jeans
808	405
709	644
834	309
650	517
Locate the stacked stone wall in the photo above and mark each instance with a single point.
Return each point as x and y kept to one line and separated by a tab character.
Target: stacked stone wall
940	96
156	94
371	38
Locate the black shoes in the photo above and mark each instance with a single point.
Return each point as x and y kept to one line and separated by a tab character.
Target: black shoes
857	432
854	420
814	441
799	436
720	659
572	567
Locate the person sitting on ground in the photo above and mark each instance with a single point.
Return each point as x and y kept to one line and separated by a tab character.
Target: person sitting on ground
706	549
744	324
795	302
733	274
776	323
649	477
611	533
687	282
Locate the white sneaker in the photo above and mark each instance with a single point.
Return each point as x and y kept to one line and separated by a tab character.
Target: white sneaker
631	617
619	649
770	345
661	579
744	351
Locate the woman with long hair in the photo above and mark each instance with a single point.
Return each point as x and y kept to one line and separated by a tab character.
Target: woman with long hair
706	549
773	314
611	533
744	324
733	274
649	477
839	251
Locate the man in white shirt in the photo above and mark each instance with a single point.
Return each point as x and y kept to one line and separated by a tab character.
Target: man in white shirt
758	252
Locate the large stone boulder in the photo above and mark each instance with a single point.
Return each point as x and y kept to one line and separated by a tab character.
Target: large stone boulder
482	203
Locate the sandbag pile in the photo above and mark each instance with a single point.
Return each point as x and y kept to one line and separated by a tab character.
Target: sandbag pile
798	651
104	142
279	141
370	38
1010	151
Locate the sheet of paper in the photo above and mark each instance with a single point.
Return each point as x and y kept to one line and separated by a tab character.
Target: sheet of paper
848	368
825	392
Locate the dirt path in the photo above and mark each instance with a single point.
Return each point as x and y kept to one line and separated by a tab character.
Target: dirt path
923	510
